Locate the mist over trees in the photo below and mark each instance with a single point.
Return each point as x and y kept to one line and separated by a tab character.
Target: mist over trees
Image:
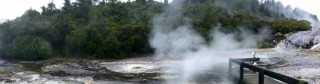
113	29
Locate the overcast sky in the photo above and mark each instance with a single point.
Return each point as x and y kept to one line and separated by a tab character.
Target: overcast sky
10	9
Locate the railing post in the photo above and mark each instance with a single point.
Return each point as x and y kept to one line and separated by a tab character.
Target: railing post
302	82
241	73
261	71
229	70
261	76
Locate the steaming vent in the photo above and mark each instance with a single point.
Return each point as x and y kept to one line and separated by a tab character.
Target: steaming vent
201	62
303	39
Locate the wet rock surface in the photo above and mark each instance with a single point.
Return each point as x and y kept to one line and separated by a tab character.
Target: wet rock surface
301	64
296	63
79	71
303	39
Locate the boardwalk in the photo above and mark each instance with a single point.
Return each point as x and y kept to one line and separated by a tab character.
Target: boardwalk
245	73
253	78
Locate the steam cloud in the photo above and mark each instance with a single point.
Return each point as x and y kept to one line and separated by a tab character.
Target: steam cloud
173	36
302	39
295	13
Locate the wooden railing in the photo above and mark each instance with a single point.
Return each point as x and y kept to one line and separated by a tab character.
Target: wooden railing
262	72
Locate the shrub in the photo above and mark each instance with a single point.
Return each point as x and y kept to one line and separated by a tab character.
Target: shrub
75	42
31	48
286	26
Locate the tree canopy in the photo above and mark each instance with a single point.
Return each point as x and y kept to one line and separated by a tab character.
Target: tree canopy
115	29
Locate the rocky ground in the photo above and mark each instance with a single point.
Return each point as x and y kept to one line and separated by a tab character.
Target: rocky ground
301	64
80	71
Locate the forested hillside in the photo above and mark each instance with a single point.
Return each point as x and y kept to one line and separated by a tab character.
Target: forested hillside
112	29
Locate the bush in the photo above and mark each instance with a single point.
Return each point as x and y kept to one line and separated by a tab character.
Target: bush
115	42
265	44
75	42
286	26
31	48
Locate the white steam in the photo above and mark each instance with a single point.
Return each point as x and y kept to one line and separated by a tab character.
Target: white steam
300	14
180	40
222	41
173	38
295	13
170	36
302	39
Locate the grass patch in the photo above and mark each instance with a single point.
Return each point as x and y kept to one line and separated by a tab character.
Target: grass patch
32	67
4	72
309	51
264	50
29	67
19	66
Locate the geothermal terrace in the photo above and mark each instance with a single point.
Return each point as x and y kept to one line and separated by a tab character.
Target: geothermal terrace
300	64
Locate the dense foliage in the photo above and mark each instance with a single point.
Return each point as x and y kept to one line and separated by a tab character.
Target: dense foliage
291	25
31	48
114	29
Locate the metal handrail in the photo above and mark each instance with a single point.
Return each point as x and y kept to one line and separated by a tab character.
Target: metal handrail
262	72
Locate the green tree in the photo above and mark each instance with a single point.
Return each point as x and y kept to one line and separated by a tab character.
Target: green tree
50	10
286	26
75	42
31	48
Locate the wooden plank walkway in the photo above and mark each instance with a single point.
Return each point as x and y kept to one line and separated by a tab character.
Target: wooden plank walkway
253	78
245	69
